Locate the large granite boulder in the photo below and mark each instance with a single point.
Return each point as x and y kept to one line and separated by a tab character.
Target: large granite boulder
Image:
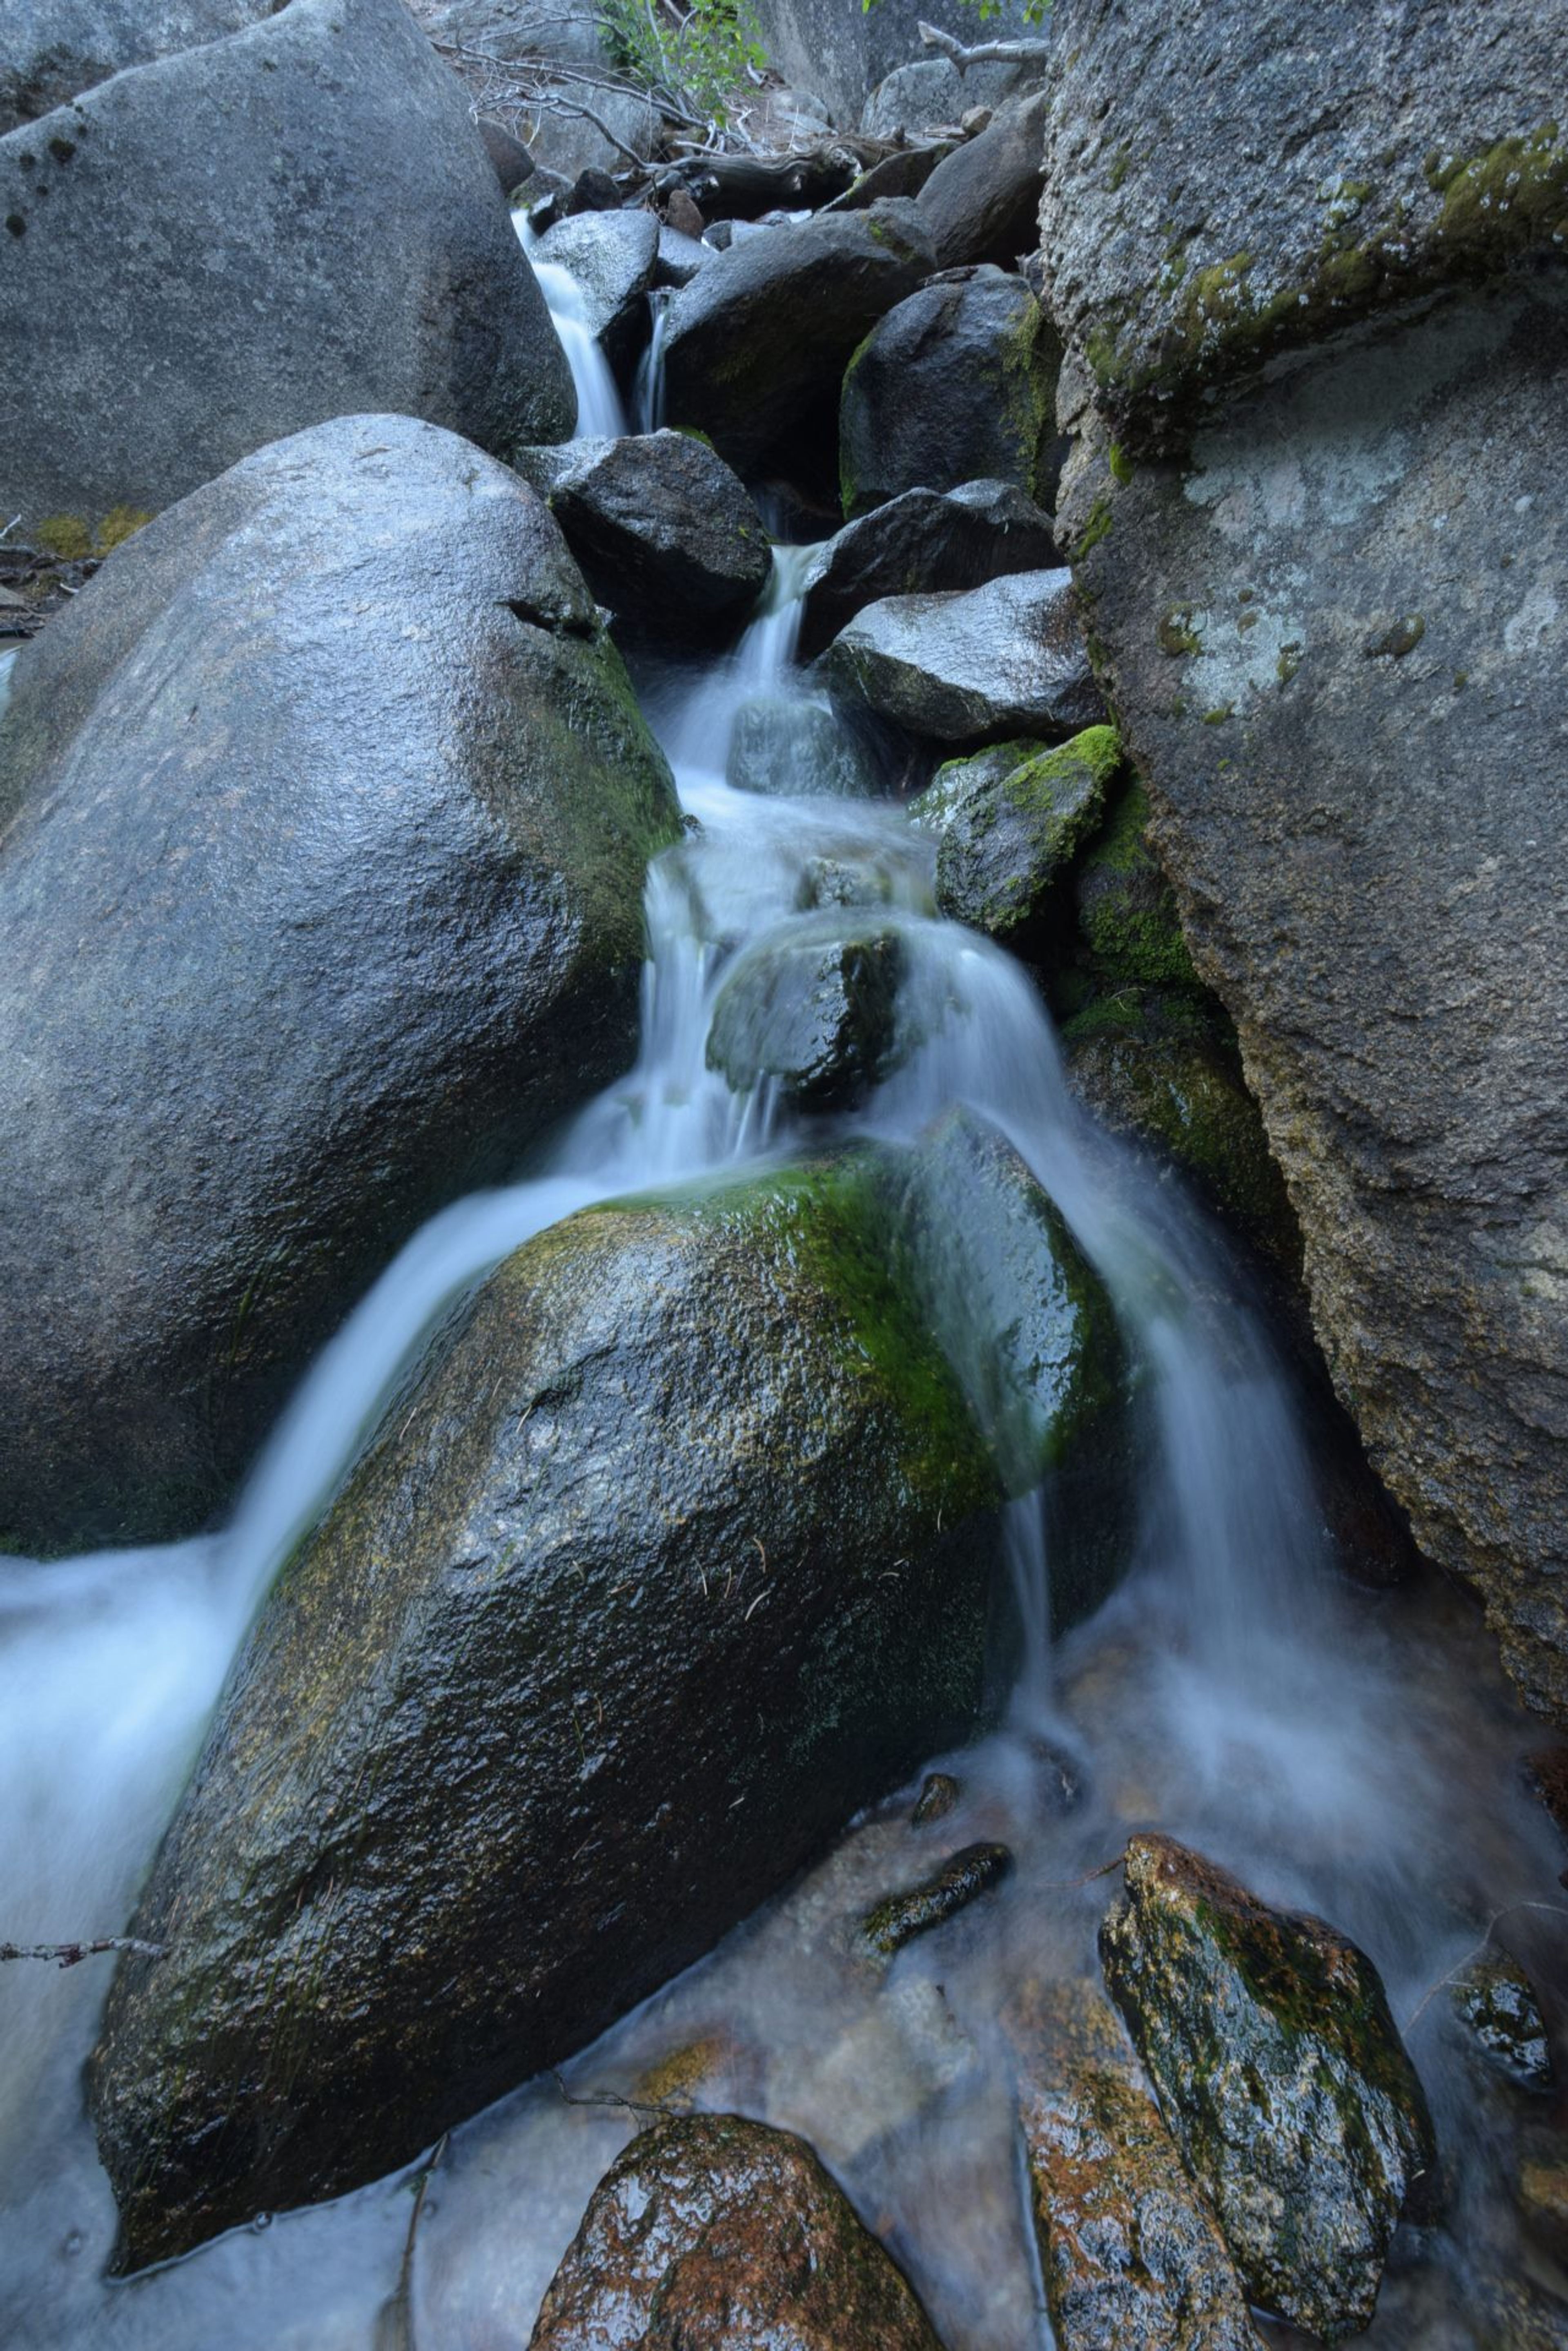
845	51
1282	2077
721	2234
981	202
673	1557
667	537
922	541
958	383
1331	621
52	50
326	812
1006	659
765	331
221	246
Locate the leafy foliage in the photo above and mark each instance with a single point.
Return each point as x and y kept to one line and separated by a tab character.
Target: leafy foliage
702	56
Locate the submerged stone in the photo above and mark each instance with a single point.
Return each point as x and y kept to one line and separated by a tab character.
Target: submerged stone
1009	819
1281	2076
960	1881
720	2233
815	1014
939	1793
790	748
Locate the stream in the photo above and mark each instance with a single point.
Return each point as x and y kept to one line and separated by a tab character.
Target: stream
1344	1750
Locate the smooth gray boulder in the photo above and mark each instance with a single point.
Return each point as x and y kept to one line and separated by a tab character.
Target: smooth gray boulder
982	202
667	537
930	92
327	811
677	1553
797	749
1352	572
972	668
52	50
324	234
921	541
766	329
613	256
958	383
1281	2076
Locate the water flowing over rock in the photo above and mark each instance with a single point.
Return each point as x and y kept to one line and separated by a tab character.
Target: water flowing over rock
961	1879
981	203
1008	821
814	1014
56	50
1494	2000
667	537
919	542
804	750
1281	2076
328	813
297	313
723	2235
958	383
612	258
1331	621
1004	659
768	326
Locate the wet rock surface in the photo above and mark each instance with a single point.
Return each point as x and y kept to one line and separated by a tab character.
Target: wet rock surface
720	2234
667	537
613	258
678	1462
919	541
963	1879
768	326
1006	659
794	747
340	736
1008	821
816	1015
297	315
957	384
1494	2000
939	1791
1281	2076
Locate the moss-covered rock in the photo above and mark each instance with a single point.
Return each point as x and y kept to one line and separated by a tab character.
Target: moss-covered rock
717	2233
963	1879
1127	915
677	1549
1009	819
1282	2077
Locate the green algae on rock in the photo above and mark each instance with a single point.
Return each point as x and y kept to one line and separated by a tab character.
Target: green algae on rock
961	1879
1281	2076
1127	912
716	2231
1009	819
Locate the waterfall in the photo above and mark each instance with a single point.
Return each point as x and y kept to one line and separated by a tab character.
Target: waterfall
600	412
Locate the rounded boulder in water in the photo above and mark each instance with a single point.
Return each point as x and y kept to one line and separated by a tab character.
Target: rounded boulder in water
327	809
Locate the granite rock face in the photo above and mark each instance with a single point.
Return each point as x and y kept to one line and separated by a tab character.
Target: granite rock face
52	50
326	813
239	230
1331	621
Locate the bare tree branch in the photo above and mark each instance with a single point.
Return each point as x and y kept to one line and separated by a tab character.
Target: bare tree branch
984	53
70	1955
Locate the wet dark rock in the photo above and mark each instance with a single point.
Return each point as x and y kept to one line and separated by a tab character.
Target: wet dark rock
1546	1775
723	2235
1306	203
798	747
340	738
1154	1065
983	202
814	1013
828	881
922	541
958	383
667	537
511	160
766	329
294	314
1009	819
975	667
1130	2254
1493	1999
487	1769
1281	2076
939	1791
56	50
613	255
902	173
961	1880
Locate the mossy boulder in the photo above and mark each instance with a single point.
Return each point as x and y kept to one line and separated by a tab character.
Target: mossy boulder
1128	916
958	383
715	2231
1009	819
329	812
961	1879
677	1548
1281	2076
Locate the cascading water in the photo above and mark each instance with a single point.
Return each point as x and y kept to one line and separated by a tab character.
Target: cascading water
601	412
1230	1692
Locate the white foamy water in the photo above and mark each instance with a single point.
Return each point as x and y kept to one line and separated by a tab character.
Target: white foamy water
1346	1752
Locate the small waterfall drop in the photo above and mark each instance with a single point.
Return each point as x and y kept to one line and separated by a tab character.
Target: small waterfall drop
601	414
647	385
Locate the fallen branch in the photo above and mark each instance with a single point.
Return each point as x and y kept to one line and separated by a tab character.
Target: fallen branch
984	53
615	2102
70	1955
1555	1909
